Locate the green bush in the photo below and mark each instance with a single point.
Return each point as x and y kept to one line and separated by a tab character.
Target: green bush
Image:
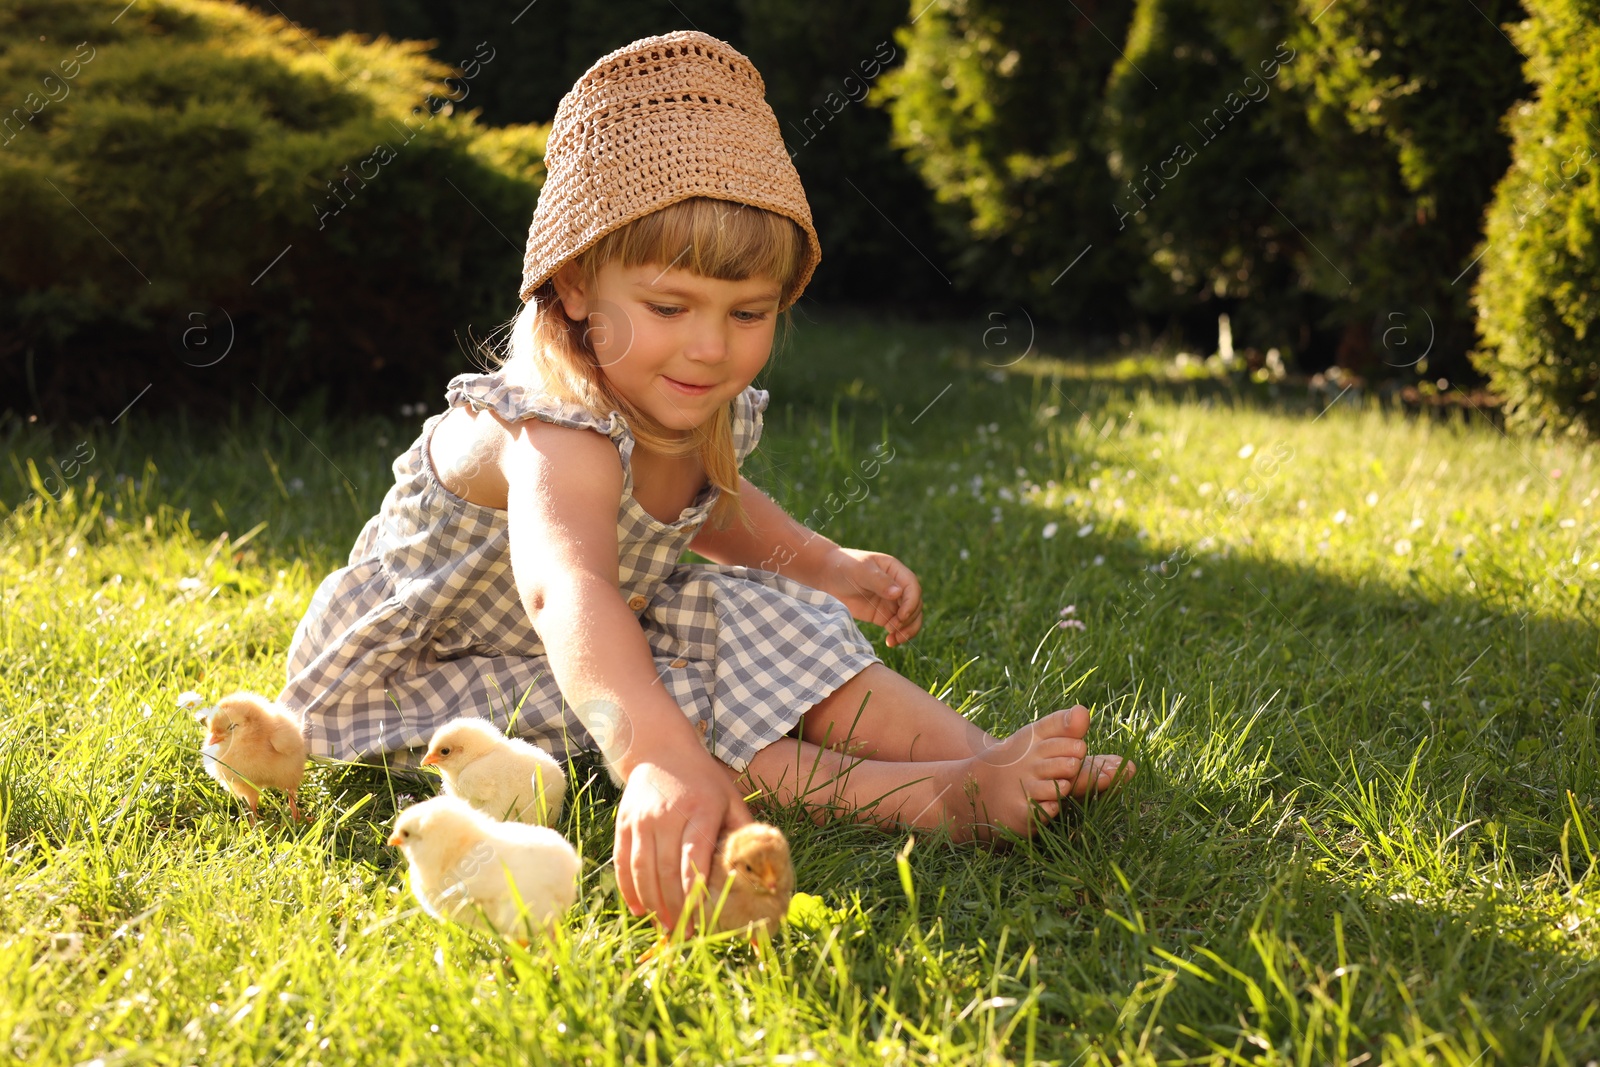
211	180
1536	295
998	105
1335	200
1403	102
1201	160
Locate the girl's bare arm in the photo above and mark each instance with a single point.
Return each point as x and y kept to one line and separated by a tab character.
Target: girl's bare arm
774	541
563	488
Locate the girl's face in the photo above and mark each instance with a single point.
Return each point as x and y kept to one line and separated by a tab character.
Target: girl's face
676	344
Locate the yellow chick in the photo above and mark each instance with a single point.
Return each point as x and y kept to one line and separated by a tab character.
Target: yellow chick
753	863
503	777
255	744
495	876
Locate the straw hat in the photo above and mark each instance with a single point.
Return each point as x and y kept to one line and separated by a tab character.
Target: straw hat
655	122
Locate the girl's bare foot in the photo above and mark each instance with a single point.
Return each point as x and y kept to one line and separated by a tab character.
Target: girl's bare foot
1017	780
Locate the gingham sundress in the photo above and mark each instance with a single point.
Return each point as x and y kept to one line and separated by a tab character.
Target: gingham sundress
425	624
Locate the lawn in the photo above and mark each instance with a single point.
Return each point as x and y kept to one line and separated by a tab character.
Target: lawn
1354	653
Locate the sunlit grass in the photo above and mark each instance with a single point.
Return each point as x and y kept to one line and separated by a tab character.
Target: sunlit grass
1355	654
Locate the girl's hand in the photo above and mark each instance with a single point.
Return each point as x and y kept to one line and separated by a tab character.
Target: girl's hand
877	588
672	812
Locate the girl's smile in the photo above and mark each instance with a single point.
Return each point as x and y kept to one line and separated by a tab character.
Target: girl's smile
691	390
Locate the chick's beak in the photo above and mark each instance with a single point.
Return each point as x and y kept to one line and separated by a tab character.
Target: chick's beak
430	759
214	738
394	839
771	883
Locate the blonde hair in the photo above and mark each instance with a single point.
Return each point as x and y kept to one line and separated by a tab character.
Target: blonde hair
718	239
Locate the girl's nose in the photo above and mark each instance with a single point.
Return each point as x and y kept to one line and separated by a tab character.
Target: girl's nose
708	346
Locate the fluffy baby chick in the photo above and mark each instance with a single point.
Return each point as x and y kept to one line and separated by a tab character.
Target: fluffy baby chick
255	744
754	864
503	777
471	869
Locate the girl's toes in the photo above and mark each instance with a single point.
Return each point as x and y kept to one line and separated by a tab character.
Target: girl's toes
1069	722
1062	748
1047	792
1058	773
1077	721
1107	772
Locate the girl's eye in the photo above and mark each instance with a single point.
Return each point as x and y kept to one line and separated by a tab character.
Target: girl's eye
663	310
755	316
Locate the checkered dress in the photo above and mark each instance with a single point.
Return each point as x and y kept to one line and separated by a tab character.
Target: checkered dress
425	624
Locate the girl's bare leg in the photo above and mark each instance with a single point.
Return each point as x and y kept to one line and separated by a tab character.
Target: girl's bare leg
901	722
1023	778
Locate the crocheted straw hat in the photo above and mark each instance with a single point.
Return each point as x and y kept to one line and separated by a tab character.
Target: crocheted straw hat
655	122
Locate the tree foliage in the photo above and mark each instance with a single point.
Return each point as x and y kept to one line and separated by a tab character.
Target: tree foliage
998	104
211	180
1536	295
1198	128
1402	147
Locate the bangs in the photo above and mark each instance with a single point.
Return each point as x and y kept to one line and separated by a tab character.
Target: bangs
718	239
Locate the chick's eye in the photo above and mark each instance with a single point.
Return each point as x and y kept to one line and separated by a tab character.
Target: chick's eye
444	752
233	726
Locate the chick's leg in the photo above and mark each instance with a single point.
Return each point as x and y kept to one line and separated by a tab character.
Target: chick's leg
251	796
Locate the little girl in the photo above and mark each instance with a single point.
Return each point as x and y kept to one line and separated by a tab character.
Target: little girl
525	565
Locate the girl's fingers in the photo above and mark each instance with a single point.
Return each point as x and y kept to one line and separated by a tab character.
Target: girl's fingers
909	619
645	874
738	812
668	881
623	863
698	841
912	600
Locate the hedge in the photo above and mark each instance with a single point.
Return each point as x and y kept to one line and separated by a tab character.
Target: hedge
204	205
1538	290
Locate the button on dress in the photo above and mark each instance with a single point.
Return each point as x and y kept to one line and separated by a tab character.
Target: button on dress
424	623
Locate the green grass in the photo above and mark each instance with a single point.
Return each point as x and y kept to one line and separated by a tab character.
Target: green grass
1363	699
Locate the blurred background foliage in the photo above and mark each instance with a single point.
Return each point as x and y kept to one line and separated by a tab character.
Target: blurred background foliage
349	192
1539	292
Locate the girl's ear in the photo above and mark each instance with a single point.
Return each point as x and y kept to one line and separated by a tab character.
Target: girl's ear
568	280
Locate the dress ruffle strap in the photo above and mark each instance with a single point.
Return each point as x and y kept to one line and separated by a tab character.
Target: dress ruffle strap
514	403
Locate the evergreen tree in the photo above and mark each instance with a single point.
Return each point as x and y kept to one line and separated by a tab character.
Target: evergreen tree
999	106
1200	164
194	179
1537	295
1403	100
